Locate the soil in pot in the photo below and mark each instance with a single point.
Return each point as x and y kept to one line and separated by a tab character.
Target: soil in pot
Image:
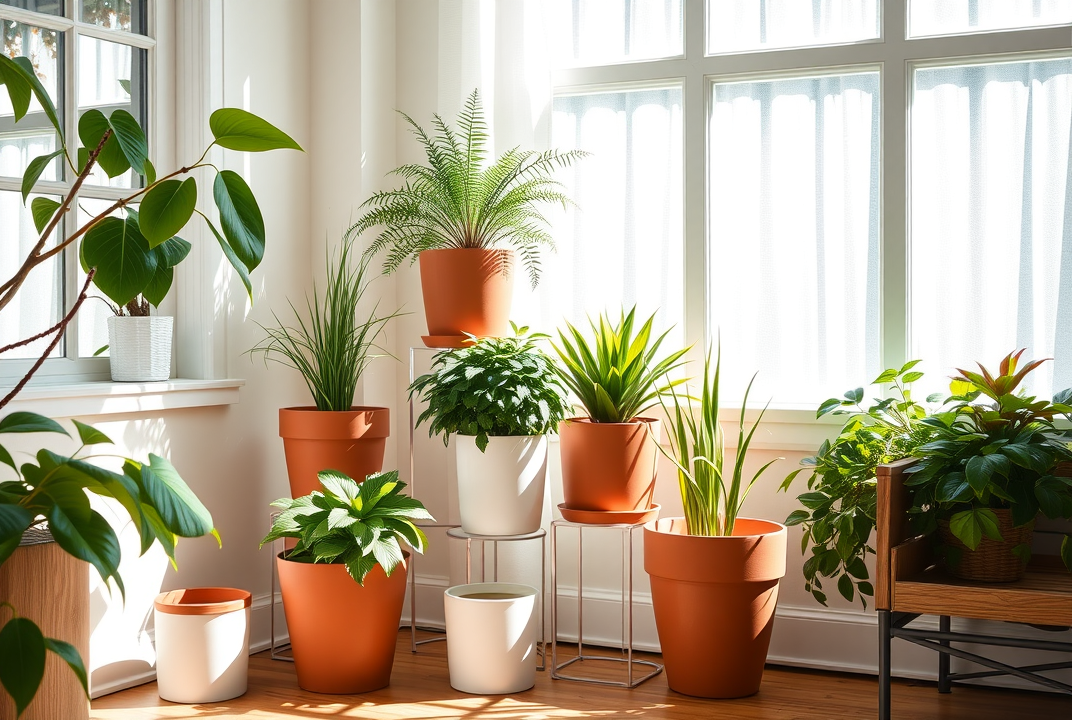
609	466
466	290
992	560
343	634
714	601
350	441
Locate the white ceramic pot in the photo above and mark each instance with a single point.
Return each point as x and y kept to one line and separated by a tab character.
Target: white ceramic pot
202	644
501	490
491	637
139	348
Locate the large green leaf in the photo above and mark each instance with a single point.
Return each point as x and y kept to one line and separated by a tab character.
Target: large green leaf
172	251
34	171
22	660
124	261
18	86
159	285
340	485
131	139
236	129
43	98
69	654
240	217
91	539
181	511
981	468
236	262
5	458
28	422
14	519
42	209
91	128
166	209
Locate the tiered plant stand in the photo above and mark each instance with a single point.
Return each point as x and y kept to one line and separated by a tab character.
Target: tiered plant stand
632	679
909	585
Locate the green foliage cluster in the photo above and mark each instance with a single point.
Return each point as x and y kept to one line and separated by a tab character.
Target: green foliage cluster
993	448
458	200
615	375
53	490
334	346
494	387
839	507
359	525
711	501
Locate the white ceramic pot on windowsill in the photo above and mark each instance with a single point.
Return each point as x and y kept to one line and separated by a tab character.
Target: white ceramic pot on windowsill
139	348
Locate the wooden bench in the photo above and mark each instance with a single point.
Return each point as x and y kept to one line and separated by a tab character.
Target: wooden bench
909	584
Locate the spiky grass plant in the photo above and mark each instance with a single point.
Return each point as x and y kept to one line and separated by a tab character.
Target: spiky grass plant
333	346
458	200
697	445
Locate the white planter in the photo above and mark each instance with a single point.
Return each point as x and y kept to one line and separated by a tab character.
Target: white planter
139	348
202	644
501	491
491	643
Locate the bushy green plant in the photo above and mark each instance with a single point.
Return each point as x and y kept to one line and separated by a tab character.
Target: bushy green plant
839	507
993	447
458	200
494	387
711	500
334	346
616	375
359	525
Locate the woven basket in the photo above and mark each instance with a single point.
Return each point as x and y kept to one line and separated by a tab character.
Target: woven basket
139	348
994	560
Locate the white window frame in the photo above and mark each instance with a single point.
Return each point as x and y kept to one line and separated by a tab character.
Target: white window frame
895	55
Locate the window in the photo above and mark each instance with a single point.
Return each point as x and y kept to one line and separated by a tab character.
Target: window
854	190
88	54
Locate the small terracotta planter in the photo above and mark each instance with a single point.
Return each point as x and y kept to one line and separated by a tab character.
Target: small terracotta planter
609	466
714	601
466	290
351	441
343	634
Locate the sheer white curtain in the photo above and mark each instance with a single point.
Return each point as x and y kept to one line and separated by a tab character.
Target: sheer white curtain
991	217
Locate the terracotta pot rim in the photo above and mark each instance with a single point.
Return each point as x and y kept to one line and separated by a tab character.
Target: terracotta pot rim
638	420
653	527
486	251
405	557
224	600
353	409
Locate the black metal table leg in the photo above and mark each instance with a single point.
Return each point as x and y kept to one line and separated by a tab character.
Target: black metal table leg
945	685
884	640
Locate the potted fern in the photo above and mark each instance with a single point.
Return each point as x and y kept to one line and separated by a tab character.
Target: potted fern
714	574
466	221
502	398
331	348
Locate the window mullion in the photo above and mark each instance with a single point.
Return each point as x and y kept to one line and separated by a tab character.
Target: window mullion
893	168
70	222
695	163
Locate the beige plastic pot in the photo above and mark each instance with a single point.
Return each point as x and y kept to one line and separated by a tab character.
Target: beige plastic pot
491	637
501	491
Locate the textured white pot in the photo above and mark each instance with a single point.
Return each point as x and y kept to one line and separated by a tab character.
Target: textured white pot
491	643
501	490
139	348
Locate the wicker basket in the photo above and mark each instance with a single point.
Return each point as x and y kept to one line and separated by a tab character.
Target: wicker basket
139	348
994	560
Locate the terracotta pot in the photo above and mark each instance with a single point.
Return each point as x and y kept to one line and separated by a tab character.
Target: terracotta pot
343	634
466	291
609	466
992	560
351	441
714	601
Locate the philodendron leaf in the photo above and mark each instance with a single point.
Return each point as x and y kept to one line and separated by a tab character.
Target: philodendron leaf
28	422
14	519
5	458
172	251
122	256
236	129
69	655
22	660
42	209
91	435
43	98
236	263
131	139
88	538
166	209
18	86
34	171
91	128
159	285
966	528
240	217
177	505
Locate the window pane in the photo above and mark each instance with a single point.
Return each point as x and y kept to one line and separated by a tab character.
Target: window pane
51	7
128	15
794	234
741	25
38	305
991	229
34	134
599	32
111	76
946	17
95	311
623	243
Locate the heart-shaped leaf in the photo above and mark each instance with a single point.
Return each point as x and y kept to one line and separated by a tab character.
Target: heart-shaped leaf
131	139
22	660
240	217
34	171
42	209
236	129
124	261
159	285
91	128
166	209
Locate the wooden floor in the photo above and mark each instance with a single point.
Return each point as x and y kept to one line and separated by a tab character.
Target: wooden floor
420	689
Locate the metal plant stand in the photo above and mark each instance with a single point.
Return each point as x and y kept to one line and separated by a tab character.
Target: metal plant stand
278	650
631	678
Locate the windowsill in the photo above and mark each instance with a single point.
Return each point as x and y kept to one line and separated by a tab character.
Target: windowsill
109	398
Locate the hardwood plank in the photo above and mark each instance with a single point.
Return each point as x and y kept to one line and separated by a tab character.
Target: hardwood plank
420	689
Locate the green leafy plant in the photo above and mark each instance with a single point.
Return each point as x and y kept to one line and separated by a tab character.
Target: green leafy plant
359	525
459	200
712	500
993	448
839	507
494	387
616	375
334	346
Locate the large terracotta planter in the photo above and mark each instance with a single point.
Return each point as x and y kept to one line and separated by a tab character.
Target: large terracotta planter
609	466
714	601
466	290
501	490
351	441
343	635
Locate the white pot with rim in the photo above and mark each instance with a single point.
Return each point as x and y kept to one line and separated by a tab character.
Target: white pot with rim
139	348
501	491
491	637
